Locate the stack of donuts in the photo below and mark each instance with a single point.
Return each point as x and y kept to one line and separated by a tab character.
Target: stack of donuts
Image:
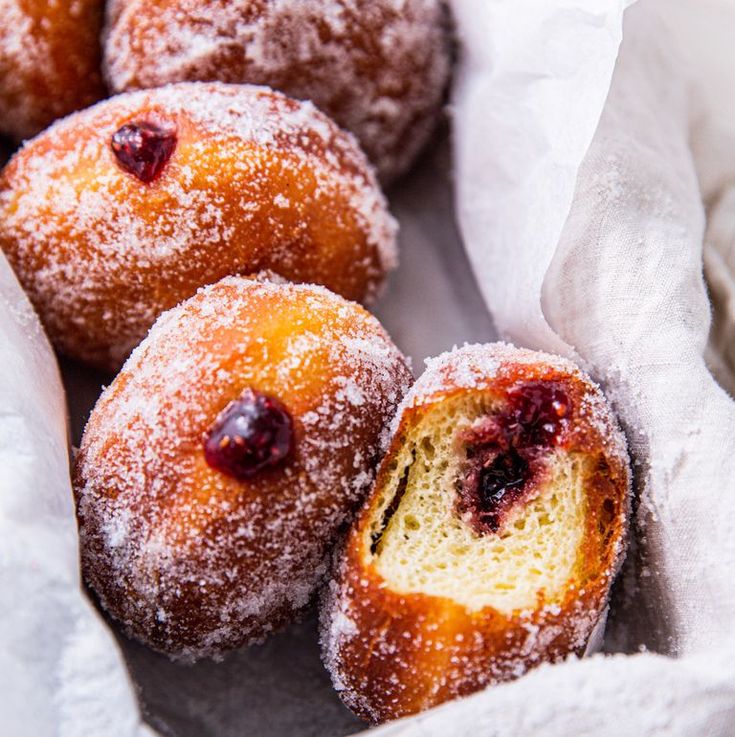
213	233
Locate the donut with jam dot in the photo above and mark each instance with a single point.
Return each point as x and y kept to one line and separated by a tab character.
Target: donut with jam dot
218	468
121	211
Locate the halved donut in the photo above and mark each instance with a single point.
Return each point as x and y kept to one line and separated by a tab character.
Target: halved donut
490	539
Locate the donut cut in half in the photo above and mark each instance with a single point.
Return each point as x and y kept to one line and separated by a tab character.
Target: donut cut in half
491	537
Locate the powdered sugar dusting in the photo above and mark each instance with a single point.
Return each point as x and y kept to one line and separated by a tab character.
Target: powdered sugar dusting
424	642
189	560
378	68
257	181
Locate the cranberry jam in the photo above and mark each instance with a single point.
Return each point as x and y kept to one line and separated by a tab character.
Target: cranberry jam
144	148
505	451
249	435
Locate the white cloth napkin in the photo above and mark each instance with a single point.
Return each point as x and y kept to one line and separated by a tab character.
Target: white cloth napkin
612	276
60	671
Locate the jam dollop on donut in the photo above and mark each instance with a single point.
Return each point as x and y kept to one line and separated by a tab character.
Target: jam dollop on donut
119	212
251	433
379	68
50	58
220	466
143	148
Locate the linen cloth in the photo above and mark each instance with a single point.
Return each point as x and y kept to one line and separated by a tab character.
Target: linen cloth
60	671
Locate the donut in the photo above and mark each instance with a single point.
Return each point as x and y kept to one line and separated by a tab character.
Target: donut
219	466
490	539
119	212
50	62
377	67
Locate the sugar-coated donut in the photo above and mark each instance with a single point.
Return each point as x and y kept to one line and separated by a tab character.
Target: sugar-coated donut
490	539
378	67
119	212
218	467
50	59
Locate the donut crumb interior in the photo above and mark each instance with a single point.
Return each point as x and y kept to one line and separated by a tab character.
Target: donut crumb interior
419	543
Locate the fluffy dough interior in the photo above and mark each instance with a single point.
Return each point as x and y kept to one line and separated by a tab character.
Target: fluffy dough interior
426	547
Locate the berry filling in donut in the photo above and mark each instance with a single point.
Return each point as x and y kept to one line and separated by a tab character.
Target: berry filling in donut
143	148
249	435
506	471
480	480
536	413
489	493
503	489
505	451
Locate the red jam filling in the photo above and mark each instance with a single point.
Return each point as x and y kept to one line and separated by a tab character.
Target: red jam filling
144	148
251	433
505	451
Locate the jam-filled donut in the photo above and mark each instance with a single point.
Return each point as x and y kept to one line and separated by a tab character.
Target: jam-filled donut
378	67
490	539
50	58
218	467
119	212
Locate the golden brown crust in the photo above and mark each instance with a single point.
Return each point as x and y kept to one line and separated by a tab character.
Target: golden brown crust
394	653
189	559
50	58
377	68
256	182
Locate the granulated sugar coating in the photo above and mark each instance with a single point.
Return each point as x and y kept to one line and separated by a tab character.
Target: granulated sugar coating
426	604
255	181
49	61
378	67
191	560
